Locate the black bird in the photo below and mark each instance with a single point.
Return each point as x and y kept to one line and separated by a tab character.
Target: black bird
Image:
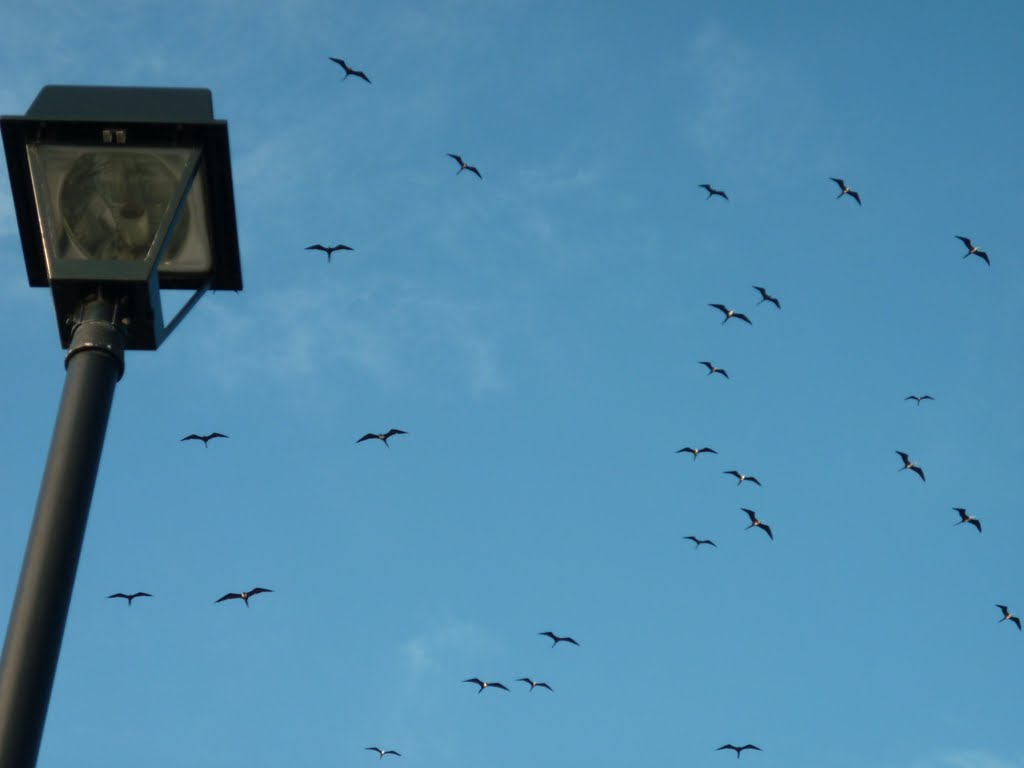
244	596
729	313
328	249
712	191
463	166
129	598
349	70
845	190
738	749
755	523
533	684
919	398
1008	615
383	437
696	451
965	518
908	464
765	297
742	477
712	369
698	542
556	639
971	248
205	438
383	752
483	685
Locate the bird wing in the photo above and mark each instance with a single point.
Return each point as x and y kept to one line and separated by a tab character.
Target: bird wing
392	752
723	194
190	437
762	291
340	247
118	594
742	317
473	169
709	541
855	196
976	523
727	746
392	432
927	397
775	301
709	450
721	308
732	472
751	514
545	685
476	680
904	456
1016	621
524	680
912	397
709	365
1004	609
751	746
752	479
363	76
258	590
962	512
456	158
966	241
367	436
694	539
141	594
339	62
375	749
984	256
767	530
214	434
919	471
552	635
687	450
316	247
229	596
840	182
568	640
497	685
723	372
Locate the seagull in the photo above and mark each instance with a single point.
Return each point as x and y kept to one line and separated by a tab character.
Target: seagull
129	598
349	70
908	464
328	249
845	190
712	191
729	313
697	451
205	438
965	518
971	248
742	477
483	685
919	399
765	297
533	684
383	437
244	596
738	749
698	542
556	639
755	523
463	166
712	369
1008	615
383	752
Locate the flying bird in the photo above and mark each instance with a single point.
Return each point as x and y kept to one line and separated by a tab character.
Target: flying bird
755	523
712	191
971	248
1008	615
383	752
205	438
697	451
742	477
533	684
919	398
349	70
698	542
129	598
712	369
556	639
908	464
243	596
729	313
383	437
765	297
463	166
738	749
965	518
328	249
845	190
483	685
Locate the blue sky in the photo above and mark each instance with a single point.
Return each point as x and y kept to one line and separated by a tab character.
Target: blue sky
538	334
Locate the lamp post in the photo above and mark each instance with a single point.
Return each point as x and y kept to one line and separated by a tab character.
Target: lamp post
118	193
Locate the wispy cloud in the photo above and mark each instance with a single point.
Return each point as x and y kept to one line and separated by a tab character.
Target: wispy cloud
979	759
426	652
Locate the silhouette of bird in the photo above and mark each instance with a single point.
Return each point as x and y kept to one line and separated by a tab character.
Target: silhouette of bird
755	523
765	297
328	249
845	190
965	518
463	166
1008	615
697	451
533	684
742	477
205	438
908	464
349	70
919	398
556	639
971	248
383	752
712	369
712	191
129	598
698	542
729	313
483	685
383	437
243	596
738	749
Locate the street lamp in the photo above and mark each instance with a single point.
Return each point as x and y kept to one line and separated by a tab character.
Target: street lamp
118	193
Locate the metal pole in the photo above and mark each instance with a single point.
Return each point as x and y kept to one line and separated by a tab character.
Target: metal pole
95	362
